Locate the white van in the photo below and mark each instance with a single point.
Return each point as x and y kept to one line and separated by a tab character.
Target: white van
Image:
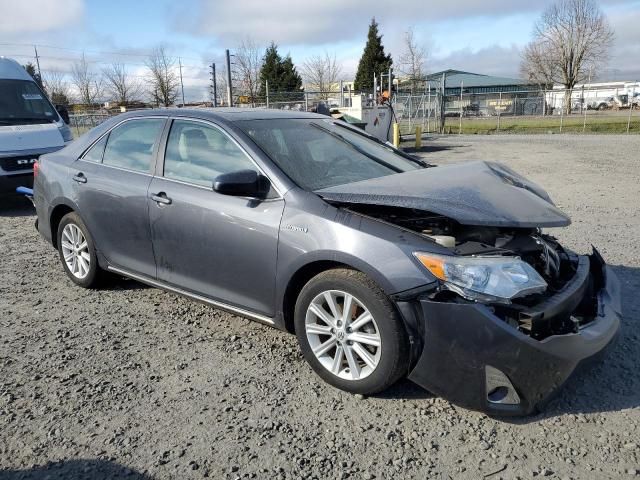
29	126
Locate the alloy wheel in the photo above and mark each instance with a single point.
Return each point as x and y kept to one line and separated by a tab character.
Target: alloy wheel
75	251
343	335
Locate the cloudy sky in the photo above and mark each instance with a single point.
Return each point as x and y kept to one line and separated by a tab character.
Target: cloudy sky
484	37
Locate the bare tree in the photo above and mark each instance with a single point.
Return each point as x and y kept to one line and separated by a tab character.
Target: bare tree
121	86
571	38
247	63
57	87
87	82
322	72
163	79
412	60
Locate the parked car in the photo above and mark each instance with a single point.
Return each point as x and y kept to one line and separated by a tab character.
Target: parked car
29	126
383	266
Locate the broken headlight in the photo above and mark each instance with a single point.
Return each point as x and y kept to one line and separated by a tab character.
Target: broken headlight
489	279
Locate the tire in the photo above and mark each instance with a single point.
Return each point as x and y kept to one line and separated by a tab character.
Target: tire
90	276
390	357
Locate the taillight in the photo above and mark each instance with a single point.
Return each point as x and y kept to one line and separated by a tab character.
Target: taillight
36	167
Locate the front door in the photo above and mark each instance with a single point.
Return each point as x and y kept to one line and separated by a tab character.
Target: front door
218	246
111	184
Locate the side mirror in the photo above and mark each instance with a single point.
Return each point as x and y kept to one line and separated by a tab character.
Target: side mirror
63	112
242	183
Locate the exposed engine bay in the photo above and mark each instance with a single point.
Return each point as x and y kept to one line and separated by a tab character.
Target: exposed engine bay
555	265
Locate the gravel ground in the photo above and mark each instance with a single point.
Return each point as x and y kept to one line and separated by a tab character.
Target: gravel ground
133	382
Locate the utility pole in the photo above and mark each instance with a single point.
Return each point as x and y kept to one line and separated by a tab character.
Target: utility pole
214	84
443	85
38	63
229	86
181	84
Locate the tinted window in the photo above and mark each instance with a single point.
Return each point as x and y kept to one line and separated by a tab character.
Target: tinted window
21	101
131	144
94	154
198	153
318	153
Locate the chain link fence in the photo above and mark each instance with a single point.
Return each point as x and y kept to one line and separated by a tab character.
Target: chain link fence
304	101
82	122
544	111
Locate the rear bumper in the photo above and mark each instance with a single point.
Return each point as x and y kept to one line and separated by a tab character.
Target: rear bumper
10	181
468	350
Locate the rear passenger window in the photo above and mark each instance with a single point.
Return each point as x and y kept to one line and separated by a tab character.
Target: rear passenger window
131	144
94	154
197	153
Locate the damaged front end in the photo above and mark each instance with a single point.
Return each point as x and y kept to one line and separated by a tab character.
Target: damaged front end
541	255
497	349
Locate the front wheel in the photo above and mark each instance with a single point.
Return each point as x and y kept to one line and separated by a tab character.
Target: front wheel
350	333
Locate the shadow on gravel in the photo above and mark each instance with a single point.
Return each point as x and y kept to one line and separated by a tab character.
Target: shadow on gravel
16	206
118	283
612	383
430	148
74	470
405	389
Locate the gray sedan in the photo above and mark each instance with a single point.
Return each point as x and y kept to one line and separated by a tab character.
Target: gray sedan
383	266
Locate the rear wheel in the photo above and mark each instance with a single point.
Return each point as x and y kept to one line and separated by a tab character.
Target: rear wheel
77	251
350	333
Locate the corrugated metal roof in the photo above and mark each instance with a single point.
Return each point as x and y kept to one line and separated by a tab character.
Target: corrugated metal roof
454	77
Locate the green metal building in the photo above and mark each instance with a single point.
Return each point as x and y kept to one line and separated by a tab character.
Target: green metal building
477	83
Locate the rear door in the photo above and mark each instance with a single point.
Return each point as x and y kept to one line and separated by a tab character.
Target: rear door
111	184
218	246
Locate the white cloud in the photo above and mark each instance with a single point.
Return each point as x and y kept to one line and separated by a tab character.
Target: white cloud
323	22
320	22
37	16
624	63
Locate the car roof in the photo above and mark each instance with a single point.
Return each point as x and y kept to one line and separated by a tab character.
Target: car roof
225	114
12	70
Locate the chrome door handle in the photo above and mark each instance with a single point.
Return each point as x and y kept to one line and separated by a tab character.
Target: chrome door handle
80	178
161	198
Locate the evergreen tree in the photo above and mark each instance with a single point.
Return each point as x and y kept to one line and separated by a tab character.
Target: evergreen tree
281	75
291	79
31	70
270	71
373	60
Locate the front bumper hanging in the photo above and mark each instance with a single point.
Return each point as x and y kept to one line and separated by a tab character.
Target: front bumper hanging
475	359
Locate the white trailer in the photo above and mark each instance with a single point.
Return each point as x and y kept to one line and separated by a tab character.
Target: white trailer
596	96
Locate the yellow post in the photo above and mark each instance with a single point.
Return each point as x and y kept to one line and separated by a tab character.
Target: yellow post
396	135
418	136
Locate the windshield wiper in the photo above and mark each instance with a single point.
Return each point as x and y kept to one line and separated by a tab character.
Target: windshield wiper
397	151
357	148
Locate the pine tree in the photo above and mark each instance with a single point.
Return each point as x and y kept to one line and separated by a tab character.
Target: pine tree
31	70
291	79
281	75
373	60
270	71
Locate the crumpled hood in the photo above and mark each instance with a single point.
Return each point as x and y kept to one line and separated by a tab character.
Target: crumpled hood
475	193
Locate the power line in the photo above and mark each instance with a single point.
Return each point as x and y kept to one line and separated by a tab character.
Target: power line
104	62
141	77
96	52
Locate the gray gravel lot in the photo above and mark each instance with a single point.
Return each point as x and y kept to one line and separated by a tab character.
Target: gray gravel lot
134	382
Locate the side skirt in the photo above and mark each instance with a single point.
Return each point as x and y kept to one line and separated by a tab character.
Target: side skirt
223	306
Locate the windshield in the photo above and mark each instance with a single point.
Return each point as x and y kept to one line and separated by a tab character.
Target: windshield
317	154
22	102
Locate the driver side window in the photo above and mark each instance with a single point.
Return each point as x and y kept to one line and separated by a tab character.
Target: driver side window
197	153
